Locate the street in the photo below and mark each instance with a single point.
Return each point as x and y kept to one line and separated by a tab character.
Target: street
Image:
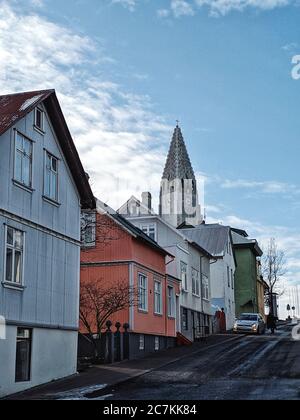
250	367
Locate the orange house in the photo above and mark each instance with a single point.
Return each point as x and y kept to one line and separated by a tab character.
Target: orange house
114	251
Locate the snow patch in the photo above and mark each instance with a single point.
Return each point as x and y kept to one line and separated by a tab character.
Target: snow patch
80	393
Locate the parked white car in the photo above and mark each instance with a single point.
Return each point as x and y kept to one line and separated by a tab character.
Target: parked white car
250	323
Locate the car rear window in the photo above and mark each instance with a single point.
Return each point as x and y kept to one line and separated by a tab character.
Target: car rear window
248	318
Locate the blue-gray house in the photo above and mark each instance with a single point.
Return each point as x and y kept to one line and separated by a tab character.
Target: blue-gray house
43	187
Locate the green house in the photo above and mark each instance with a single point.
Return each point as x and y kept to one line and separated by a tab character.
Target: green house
249	285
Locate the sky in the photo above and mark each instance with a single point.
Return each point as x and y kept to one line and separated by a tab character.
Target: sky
126	70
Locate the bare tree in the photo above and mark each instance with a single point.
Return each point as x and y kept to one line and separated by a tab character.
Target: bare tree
273	269
100	301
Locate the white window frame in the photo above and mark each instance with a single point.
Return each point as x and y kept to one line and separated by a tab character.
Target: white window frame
144	288
171	301
40	129
184	279
196	286
158	311
205	287
56	173
141	342
228	276
24	156
88	217
14	249
146	228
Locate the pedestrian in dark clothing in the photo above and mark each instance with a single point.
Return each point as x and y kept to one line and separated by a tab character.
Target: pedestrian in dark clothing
271	323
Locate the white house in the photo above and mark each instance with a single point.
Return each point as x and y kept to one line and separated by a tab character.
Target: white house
42	189
191	265
217	240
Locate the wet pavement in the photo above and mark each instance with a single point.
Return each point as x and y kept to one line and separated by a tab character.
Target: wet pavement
254	367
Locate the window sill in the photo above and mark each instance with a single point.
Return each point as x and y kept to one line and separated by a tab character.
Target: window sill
143	311
22	186
184	291
13	286
39	130
196	296
172	317
206	300
157	314
50	201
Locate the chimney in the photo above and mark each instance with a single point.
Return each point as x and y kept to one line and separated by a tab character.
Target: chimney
147	200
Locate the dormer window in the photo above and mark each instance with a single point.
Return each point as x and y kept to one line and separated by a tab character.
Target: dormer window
39	119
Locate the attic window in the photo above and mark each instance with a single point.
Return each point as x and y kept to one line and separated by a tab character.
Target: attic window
39	119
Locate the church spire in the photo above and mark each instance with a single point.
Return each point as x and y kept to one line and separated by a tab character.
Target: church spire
178	193
178	165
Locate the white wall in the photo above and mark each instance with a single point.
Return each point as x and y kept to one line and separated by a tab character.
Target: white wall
221	294
54	356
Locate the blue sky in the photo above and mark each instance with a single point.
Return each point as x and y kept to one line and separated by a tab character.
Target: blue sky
125	70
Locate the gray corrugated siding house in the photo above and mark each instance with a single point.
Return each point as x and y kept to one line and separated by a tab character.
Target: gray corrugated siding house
42	189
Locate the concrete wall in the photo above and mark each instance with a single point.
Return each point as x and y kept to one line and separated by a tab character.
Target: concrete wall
54	356
222	295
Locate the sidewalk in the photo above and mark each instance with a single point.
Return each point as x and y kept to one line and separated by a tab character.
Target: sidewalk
100	377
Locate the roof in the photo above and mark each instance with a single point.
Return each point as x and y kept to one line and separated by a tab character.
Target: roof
130	228
213	238
178	165
16	106
152	215
242	242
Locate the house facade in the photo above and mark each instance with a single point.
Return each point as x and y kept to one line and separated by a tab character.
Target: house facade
134	258
217	240
191	266
250	287
42	189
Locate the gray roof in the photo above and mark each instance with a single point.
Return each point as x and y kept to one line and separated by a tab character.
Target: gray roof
240	241
213	238
134	230
178	165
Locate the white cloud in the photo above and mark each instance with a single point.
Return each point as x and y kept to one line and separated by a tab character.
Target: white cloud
182	8
268	187
121	140
128	4
222	7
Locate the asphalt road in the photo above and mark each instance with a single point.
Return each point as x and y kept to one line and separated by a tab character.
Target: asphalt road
252	367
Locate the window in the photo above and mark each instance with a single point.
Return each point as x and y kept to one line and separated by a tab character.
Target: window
88	229
142	342
143	293
51	177
156	344
39	119
195	282
23	160
232	279
171	302
183	269
14	256
228	276
23	355
157	298
205	287
185	324
150	230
